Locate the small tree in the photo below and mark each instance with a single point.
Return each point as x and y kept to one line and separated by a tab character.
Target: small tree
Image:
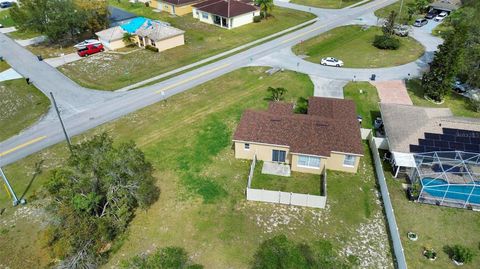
266	6
460	253
302	105
388	27
276	94
127	39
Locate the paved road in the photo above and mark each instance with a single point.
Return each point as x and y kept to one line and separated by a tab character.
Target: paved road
85	110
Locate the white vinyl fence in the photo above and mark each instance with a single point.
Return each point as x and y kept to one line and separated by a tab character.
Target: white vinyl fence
287	198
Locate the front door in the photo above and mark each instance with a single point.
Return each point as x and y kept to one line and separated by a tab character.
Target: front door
278	156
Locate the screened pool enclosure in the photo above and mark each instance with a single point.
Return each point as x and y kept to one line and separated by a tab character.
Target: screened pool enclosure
450	178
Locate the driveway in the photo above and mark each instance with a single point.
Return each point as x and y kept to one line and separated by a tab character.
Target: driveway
325	87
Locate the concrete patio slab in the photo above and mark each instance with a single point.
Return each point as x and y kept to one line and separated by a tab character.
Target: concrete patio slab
9	74
7	30
392	92
276	169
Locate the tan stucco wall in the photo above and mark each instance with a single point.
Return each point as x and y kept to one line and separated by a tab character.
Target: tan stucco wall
113	45
335	162
173	9
264	152
154	4
301	169
170	43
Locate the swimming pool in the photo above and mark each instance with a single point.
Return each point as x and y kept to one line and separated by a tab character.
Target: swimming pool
438	188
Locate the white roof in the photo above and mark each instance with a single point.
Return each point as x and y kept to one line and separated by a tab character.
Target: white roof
403	159
111	34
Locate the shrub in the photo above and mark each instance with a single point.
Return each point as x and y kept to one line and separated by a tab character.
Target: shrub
257	19
460	253
386	42
152	48
164	258
475	103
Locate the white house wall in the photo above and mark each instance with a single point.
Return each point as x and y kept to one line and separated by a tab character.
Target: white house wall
234	22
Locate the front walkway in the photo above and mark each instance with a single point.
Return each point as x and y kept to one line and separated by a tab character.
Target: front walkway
392	92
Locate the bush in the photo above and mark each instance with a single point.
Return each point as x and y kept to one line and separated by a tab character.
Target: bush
460	253
152	48
164	258
257	19
475	103
386	42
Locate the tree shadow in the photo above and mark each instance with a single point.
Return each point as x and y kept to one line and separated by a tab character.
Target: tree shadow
38	171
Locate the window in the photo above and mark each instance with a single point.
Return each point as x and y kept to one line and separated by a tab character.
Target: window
246	146
308	161
204	15
349	160
278	156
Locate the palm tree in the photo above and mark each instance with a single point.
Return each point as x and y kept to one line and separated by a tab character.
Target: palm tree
265	6
127	39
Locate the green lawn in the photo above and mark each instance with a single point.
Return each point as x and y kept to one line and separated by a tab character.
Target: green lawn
5	18
435	226
353	45
326	3
384	12
366	100
48	50
457	103
201	41
297	182
4	66
202	205
20	106
27	34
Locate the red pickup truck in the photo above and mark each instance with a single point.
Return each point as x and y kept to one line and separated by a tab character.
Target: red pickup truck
90	49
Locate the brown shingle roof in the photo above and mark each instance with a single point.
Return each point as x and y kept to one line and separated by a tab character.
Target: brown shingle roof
181	2
225	8
331	125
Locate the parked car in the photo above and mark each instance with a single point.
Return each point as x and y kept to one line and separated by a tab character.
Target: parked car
330	61
90	49
401	30
420	22
432	14
6	4
441	16
459	87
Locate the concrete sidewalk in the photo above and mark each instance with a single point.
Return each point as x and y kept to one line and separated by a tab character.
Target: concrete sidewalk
9	74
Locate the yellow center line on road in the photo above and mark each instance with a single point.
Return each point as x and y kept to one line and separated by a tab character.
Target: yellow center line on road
191	78
35	140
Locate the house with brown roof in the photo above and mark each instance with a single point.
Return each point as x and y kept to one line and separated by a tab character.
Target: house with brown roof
327	137
225	13
174	7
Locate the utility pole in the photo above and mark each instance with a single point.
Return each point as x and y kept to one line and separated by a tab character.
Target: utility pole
400	11
10	190
61	122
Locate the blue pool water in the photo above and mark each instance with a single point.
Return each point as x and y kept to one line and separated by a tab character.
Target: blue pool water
460	192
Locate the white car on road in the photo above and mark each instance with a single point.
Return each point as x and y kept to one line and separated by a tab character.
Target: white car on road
330	61
441	16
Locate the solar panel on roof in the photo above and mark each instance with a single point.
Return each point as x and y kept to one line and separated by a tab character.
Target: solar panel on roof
449	140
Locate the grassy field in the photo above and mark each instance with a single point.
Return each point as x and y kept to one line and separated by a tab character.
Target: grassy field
50	50
4	66
435	226
326	3
201	41
202	205
366	101
457	103
297	182
27	34
353	45
5	18
20	106
384	12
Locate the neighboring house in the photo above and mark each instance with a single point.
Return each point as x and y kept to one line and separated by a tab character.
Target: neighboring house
112	38
446	5
145	32
226	13
413	129
327	137
174	7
